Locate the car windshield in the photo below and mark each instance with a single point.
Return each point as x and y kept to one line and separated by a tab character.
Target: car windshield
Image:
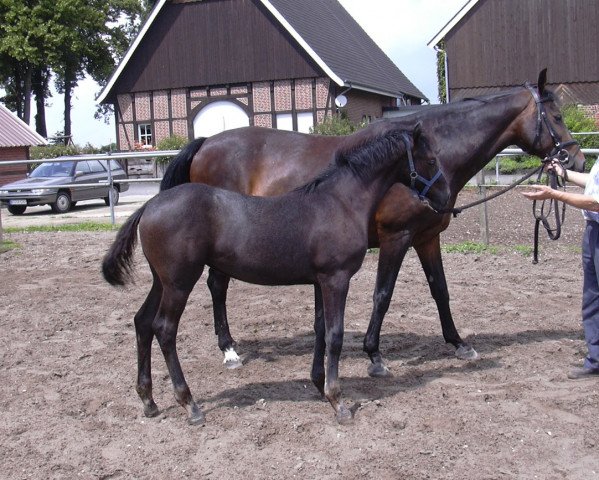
53	169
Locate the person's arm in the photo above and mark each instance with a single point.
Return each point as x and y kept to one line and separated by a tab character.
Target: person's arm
578	200
577	178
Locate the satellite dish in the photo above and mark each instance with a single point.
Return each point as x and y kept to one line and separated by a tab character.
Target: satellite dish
341	101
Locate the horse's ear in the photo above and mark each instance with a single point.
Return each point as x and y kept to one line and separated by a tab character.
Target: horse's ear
417	132
542	81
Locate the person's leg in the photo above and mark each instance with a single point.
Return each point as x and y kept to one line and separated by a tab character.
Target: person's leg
590	299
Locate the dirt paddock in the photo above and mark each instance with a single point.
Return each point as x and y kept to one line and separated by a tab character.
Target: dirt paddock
68	407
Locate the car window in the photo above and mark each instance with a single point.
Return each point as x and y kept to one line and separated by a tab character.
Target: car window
53	169
114	165
82	167
96	167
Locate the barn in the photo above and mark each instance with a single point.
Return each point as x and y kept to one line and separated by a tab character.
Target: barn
198	67
493	44
16	138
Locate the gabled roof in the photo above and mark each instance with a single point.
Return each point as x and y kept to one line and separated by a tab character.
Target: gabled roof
452	23
14	132
332	39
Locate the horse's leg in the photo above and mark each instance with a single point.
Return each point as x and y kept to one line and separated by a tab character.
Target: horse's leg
145	335
218	284
393	249
318	375
432	264
165	327
334	293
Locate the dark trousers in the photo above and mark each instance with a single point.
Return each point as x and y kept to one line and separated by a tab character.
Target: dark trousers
590	293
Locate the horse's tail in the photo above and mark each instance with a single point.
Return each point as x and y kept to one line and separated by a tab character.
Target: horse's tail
177	171
117	265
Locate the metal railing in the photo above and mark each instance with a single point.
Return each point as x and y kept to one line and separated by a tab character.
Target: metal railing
171	153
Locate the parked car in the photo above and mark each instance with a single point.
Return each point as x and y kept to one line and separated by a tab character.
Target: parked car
56	184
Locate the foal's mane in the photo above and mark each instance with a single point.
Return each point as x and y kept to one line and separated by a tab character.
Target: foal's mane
364	159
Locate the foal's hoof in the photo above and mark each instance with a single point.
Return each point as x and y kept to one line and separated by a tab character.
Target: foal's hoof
196	417
232	360
344	416
151	410
379	370
466	352
233	364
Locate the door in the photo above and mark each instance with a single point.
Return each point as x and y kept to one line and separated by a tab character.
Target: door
217	117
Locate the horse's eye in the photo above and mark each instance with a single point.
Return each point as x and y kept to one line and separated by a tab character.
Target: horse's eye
558	118
432	162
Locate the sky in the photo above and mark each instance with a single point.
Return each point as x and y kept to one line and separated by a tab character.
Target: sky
401	28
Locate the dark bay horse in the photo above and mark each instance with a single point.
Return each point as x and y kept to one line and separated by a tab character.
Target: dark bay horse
314	235
468	134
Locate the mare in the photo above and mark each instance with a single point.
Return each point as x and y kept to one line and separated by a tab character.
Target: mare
316	235
468	134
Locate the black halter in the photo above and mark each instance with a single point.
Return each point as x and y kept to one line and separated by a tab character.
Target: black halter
559	151
415	176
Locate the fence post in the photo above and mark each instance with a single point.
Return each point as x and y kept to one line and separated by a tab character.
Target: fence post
484	218
110	187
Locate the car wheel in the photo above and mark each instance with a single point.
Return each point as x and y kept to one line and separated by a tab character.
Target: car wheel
17	209
115	196
62	203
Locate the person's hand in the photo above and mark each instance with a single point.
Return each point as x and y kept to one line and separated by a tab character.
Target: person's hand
557	167
540	192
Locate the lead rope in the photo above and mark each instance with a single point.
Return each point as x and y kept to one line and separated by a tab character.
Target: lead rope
542	217
457	210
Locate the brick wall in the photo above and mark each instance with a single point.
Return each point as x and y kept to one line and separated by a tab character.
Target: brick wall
12	173
171	112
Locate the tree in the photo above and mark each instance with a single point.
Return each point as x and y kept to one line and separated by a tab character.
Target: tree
71	38
94	34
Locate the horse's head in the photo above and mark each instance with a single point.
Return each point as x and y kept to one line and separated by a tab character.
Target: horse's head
426	177
545	133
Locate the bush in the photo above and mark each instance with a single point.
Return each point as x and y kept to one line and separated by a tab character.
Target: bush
176	142
337	125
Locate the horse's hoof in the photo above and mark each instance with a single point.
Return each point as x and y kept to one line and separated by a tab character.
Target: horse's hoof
344	416
466	352
232	360
151	411
233	364
196	418
379	370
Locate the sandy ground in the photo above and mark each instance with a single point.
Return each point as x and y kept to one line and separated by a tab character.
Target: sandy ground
68	408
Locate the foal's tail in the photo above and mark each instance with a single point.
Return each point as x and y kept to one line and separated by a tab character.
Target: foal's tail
177	171
117	265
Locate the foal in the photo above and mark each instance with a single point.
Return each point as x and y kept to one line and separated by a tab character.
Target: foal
316	235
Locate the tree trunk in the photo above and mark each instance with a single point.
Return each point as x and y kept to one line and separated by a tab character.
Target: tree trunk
40	90
27	95
68	92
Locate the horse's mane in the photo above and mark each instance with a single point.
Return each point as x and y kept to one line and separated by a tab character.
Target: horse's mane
362	160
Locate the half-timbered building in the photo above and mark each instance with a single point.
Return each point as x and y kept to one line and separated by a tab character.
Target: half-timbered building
198	67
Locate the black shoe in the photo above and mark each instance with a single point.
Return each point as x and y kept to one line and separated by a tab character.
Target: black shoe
582	372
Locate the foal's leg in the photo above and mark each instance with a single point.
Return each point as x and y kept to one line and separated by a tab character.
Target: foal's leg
145	335
165	327
218	284
334	295
392	252
318	375
432	264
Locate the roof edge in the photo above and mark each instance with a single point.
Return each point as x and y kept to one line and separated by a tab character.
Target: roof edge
130	51
299	39
42	140
451	24
357	86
